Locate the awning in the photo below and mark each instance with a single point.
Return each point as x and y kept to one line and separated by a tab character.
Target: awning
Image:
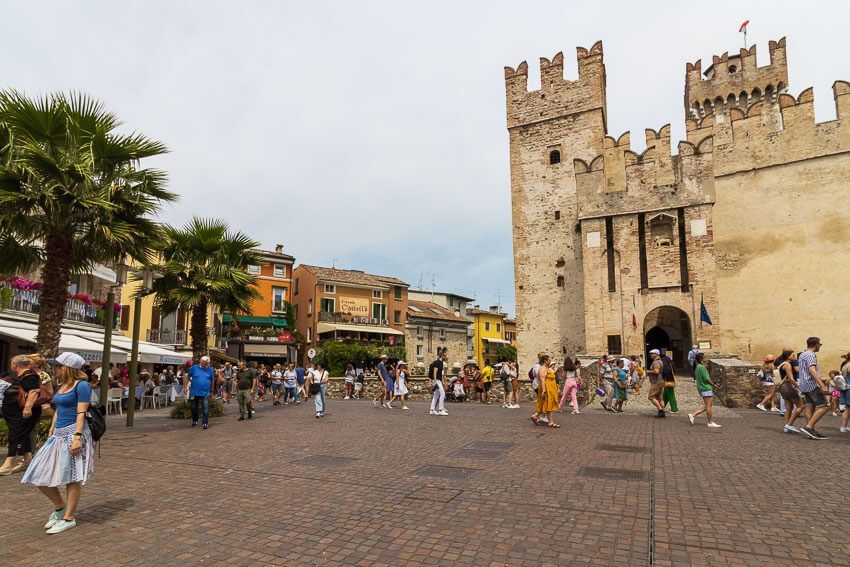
222	357
266	349
149	353
328	327
252	320
500	341
90	350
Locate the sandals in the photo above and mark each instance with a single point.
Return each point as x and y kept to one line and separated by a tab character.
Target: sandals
554	425
535	420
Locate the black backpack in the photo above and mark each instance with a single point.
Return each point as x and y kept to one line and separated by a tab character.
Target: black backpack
96	418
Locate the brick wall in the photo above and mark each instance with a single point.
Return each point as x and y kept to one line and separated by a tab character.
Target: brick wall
737	384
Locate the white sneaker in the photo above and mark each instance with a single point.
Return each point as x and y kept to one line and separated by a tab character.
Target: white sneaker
691	418
514	406
434	412
712	424
61	526
761	407
54	518
776	409
790	429
442	412
346	398
844	429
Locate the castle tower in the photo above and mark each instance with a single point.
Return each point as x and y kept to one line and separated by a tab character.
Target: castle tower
735	81
548	129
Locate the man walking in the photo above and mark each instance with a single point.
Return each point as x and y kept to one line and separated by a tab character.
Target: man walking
227	376
300	379
487	382
277	384
812	387
200	386
246	384
435	374
656	382
384	376
607	382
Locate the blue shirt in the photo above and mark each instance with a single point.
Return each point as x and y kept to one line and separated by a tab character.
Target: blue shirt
201	380
301	374
622	378
382	371
66	404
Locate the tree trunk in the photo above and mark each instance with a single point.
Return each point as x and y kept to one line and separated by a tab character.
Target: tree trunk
198	330
56	275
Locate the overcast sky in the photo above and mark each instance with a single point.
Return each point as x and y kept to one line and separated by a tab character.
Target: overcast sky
373	133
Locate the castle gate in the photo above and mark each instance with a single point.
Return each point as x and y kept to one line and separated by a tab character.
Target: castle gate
668	328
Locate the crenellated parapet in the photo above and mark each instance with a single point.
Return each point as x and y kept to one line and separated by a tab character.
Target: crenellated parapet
557	96
772	133
734	81
622	181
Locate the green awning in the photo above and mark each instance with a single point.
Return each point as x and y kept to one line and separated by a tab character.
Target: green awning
252	320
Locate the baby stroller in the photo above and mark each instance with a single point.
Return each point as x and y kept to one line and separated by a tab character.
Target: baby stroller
455	391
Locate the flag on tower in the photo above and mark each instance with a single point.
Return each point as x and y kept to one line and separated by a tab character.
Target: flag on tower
743	28
634	313
703	312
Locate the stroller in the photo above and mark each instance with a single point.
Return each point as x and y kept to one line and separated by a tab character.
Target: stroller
455	391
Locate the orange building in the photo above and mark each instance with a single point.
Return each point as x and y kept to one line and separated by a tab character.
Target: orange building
334	304
262	335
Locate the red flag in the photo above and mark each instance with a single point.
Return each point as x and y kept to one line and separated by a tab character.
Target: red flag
634	313
743	26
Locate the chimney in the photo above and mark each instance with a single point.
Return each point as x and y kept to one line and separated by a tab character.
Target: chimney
278	248
494	309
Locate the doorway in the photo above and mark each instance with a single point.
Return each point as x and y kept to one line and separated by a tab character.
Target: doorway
668	329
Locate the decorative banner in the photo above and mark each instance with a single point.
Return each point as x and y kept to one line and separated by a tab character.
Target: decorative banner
285	337
358	306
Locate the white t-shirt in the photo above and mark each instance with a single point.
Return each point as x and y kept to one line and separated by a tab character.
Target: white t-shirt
276	375
290	378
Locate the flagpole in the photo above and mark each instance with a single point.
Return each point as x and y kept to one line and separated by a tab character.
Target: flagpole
694	314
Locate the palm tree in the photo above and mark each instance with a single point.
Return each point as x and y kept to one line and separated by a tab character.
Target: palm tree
202	265
72	194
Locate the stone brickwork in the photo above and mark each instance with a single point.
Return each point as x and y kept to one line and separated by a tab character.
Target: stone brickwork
737	383
623	244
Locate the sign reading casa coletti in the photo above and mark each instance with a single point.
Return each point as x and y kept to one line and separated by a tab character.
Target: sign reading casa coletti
354	306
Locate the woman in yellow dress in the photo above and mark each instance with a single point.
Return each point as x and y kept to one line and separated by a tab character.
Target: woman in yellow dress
547	392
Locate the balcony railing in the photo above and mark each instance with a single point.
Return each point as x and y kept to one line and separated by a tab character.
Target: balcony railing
325	317
28	301
166	336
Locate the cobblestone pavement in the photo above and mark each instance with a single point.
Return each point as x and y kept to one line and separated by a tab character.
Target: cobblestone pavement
483	486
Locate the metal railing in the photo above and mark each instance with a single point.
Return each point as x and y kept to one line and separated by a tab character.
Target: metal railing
166	336
325	317
29	301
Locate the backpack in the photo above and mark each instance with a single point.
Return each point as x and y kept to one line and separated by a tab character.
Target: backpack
840	382
95	417
531	373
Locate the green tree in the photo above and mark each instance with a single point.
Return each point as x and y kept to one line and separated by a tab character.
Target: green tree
72	193
202	265
505	353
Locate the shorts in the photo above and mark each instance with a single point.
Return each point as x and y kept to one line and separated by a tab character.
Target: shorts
390	385
790	394
656	390
815	398
844	398
277	387
228	386
768	384
507	386
706	394
487	386
358	386
479	389
622	394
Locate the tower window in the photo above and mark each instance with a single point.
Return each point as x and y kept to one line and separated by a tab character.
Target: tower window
557	215
560	281
554	157
732	69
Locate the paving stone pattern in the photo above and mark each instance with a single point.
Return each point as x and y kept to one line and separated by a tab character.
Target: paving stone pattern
286	488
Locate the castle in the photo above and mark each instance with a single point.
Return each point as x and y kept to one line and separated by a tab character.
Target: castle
615	251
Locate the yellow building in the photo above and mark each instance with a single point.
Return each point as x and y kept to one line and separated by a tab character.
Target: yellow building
489	333
170	329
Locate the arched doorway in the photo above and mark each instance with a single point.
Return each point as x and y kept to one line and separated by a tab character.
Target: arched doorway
668	329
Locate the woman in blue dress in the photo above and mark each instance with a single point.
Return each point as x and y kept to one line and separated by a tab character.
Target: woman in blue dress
67	457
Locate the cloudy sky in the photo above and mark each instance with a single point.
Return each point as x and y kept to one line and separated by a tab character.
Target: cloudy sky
372	134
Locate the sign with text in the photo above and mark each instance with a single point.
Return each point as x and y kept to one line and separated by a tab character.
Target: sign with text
354	306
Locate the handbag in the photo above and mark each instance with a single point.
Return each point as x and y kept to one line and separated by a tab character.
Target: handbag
669	384
45	394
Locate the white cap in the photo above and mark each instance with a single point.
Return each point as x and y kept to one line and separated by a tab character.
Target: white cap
69	359
205	359
655	351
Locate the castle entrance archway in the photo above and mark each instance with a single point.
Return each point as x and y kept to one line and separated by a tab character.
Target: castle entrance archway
668	329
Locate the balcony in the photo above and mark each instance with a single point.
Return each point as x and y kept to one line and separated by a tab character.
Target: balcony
166	336
325	317
28	301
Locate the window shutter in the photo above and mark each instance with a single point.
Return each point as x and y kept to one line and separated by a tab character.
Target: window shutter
125	317
155	318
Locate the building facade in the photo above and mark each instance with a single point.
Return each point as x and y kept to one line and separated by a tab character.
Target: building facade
489	334
433	329
632	244
334	304
454	302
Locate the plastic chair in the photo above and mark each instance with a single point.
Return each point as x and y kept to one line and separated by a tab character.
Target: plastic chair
162	393
114	396
152	397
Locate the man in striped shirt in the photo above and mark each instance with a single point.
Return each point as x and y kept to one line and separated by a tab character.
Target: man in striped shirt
812	388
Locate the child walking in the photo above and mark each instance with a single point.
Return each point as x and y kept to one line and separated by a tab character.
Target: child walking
705	387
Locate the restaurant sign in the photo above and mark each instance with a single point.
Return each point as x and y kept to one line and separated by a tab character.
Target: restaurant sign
354	306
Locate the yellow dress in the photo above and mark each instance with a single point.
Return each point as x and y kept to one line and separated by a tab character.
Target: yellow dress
550	385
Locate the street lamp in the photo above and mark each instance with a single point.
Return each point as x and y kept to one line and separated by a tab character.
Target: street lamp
108	321
146	277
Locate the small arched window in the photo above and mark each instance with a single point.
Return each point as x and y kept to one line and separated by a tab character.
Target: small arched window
560	281
554	157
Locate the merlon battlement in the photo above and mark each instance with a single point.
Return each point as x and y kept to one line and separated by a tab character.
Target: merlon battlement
734	80
557	96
